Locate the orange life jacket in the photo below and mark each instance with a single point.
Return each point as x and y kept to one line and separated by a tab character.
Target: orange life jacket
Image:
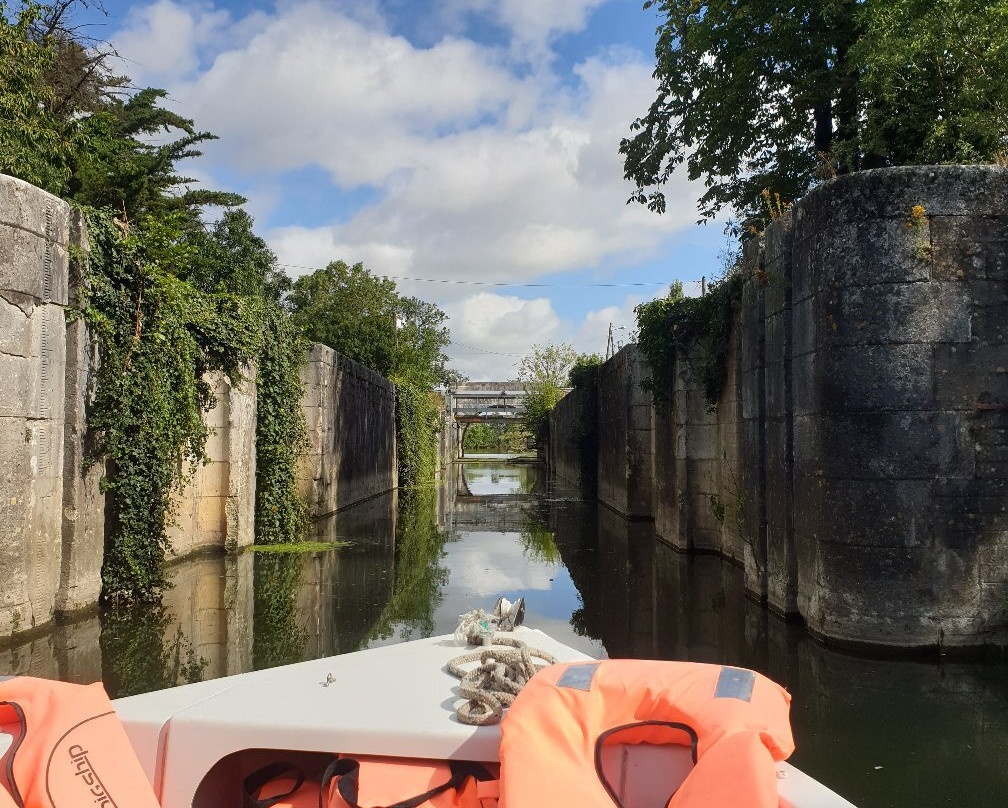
70	750
559	735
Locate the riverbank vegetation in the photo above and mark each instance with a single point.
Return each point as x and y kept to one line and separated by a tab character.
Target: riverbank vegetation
171	300
544	373
696	328
509	438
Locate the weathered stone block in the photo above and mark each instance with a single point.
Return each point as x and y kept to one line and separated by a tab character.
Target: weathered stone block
896	313
33	210
865	513
33	265
968	374
873	446
990	324
989	293
893	193
969	248
874	378
867	253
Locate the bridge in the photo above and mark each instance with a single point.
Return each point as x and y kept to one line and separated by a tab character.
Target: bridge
482	403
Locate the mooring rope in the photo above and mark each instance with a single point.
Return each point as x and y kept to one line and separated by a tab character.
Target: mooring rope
502	672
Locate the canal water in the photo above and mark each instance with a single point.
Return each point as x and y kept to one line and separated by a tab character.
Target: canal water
881	732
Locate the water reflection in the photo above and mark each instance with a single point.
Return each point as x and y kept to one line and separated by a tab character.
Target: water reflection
883	733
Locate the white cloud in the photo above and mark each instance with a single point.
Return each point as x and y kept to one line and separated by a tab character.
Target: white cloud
479	168
161	42
480	171
487	327
493	568
531	23
301	249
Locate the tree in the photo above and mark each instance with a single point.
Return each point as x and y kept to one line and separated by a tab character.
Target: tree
36	145
582	368
123	169
363	317
544	373
934	73
767	96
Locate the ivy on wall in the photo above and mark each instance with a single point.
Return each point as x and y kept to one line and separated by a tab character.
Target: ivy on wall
160	330
281	514
697	328
157	337
416	434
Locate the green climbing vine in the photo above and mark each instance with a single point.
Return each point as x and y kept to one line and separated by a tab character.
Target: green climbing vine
163	319
157	337
416	434
281	513
697	328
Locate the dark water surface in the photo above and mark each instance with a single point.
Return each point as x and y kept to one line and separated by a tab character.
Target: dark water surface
882	733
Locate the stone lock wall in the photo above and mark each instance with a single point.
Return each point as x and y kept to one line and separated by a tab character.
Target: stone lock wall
53	515
217	508
900	397
35	236
856	464
624	470
573	422
350	414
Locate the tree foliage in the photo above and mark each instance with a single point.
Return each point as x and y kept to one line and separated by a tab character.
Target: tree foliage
695	329
763	95
544	373
363	317
583	367
167	300
36	145
158	337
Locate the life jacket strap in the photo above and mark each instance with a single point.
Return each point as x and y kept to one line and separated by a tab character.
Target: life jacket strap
260	777
346	772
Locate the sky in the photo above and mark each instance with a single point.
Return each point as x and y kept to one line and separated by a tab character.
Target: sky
467	148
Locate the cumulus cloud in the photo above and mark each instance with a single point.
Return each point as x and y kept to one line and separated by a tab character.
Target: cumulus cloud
491	332
531	23
480	170
162	43
478	167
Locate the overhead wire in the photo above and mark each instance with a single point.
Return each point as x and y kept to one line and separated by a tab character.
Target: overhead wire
502	283
483	350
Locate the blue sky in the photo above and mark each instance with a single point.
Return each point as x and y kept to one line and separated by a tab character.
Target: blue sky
458	141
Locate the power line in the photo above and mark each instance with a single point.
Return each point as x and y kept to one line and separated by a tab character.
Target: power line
502	283
483	350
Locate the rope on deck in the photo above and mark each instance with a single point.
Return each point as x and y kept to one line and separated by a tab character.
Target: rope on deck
502	671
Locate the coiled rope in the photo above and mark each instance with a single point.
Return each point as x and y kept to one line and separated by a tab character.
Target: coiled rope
490	687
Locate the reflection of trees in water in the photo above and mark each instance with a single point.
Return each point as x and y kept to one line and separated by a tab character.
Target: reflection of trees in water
419	577
140	652
277	637
537	539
